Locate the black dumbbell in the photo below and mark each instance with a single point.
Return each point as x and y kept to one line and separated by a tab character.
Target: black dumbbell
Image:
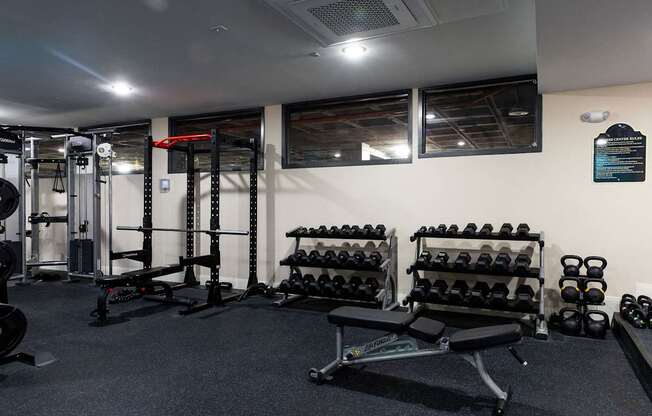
311	286
301	231
299	285
368	290
596	328
440	261
478	294
502	262
470	229
338	282
437	293
522	264
345	230
343	258
368	229
506	230
298	257
457	294
334	231
286	284
380	230
462	261
358	259
315	259
424	259
440	230
350	288
330	258
421	290
593	271
486	230
570	292
322	231
326	287
498	296
570	321
313	232
524	301
483	264
571	269
452	230
523	230
374	260
356	231
594	291
423	229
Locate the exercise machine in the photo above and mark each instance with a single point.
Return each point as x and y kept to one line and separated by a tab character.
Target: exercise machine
403	329
144	280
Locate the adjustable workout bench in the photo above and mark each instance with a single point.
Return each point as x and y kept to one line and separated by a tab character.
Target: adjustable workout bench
396	346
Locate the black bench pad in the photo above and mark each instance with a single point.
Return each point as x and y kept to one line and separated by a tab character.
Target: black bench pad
486	337
371	318
426	329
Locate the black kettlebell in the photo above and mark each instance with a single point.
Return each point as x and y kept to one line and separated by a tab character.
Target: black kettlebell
570	321
570	293
593	271
571	269
596	328
632	311
594	294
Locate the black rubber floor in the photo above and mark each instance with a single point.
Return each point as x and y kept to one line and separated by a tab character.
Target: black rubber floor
252	359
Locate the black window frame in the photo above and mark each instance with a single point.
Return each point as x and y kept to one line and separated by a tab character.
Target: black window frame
304	105
260	111
471	85
108	127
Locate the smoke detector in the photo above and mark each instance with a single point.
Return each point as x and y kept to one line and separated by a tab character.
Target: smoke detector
334	22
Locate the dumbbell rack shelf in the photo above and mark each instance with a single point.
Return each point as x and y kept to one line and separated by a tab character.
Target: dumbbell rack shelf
538	312
386	297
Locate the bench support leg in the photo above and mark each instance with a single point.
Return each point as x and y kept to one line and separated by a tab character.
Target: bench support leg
503	396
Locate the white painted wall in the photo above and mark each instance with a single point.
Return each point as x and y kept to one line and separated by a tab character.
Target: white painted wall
552	191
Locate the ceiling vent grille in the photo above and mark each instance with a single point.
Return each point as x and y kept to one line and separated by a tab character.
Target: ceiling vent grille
332	22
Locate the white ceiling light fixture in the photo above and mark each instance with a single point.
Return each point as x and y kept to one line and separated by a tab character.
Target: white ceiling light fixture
61	150
518	112
354	51
337	155
430	116
121	89
461	143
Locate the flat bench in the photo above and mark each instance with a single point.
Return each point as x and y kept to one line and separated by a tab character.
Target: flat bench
403	329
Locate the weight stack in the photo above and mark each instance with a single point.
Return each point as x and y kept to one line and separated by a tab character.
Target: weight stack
81	256
18	249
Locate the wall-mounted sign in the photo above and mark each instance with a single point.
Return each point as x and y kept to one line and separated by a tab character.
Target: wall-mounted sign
10	142
619	155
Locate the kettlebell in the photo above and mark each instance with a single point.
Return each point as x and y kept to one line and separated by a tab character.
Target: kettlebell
594	294
570	321
570	293
571	269
596	328
593	271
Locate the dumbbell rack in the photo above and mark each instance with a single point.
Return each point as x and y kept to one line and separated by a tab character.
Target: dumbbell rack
541	330
386	298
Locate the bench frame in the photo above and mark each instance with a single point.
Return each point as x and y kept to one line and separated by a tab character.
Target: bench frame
390	343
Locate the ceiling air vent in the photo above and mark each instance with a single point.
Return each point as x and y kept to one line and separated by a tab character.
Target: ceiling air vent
337	21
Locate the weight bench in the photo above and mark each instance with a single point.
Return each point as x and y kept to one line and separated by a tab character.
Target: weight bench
403	328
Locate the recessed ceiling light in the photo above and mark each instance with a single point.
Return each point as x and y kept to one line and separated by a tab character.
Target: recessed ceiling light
61	150
122	89
430	116
219	28
518	112
354	51
337	155
461	143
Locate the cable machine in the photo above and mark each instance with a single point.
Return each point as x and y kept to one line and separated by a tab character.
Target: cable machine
143	280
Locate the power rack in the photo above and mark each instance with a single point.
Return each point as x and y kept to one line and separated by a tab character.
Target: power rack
142	280
385	298
538	310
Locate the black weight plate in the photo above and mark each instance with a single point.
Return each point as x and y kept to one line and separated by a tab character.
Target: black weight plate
8	261
9	199
13	326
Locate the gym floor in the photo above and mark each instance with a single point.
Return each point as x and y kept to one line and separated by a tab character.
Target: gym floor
252	358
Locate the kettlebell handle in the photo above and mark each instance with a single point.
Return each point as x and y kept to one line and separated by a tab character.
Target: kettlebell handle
571	257
601	281
602	260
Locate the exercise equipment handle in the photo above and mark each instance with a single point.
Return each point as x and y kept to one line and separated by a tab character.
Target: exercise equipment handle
517	356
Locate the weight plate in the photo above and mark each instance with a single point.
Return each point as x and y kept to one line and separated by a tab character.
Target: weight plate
8	262
13	326
9	199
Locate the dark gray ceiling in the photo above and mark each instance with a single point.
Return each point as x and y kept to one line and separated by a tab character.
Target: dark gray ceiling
56	55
